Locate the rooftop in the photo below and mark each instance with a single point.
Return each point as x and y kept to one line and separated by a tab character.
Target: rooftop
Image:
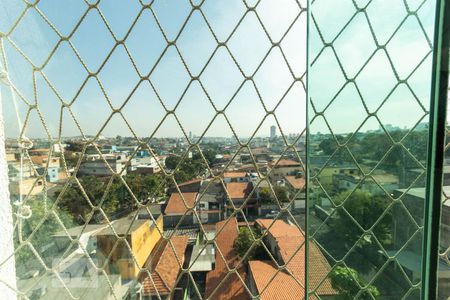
296	182
239	190
123	226
291	244
164	263
273	285
202	258
234	174
177	206
285	163
232	287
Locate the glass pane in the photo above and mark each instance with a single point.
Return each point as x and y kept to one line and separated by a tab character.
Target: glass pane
156	148
444	242
369	92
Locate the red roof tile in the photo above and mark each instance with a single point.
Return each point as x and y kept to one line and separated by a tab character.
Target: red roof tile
285	163
164	271
232	287
239	190
296	182
176	205
272	285
234	174
291	244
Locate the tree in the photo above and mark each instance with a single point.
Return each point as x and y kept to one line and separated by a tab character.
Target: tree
281	193
266	196
365	209
348	283
245	240
42	239
329	145
74	146
73	200
343	232
172	162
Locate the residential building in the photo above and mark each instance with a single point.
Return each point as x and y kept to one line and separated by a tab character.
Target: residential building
296	193
31	186
50	166
240	193
164	265
141	235
235	177
371	184
218	285
179	210
284	167
286	242
103	165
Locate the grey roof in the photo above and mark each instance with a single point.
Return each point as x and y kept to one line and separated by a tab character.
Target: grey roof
76	231
83	288
122	226
191	233
202	258
154	209
420	191
212	193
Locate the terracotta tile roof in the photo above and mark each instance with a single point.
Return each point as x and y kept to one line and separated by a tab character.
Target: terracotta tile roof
296	182
176	205
164	267
281	287
234	174
232	287
289	238
239	190
285	163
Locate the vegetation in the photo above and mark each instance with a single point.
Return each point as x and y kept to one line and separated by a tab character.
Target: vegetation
348	282
343	232
190	168
117	199
266	196
43	233
245	240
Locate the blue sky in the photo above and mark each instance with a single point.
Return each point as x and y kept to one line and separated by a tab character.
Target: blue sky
222	78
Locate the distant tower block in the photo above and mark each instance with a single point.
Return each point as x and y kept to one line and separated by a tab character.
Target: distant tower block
273	131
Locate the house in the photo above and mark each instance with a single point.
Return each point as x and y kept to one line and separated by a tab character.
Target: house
240	192
179	210
103	165
296	191
235	177
286	242
284	167
142	237
264	280
86	285
143	164
29	186
371	184
164	266
188	186
218	287
207	202
326	173
49	166
210	202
